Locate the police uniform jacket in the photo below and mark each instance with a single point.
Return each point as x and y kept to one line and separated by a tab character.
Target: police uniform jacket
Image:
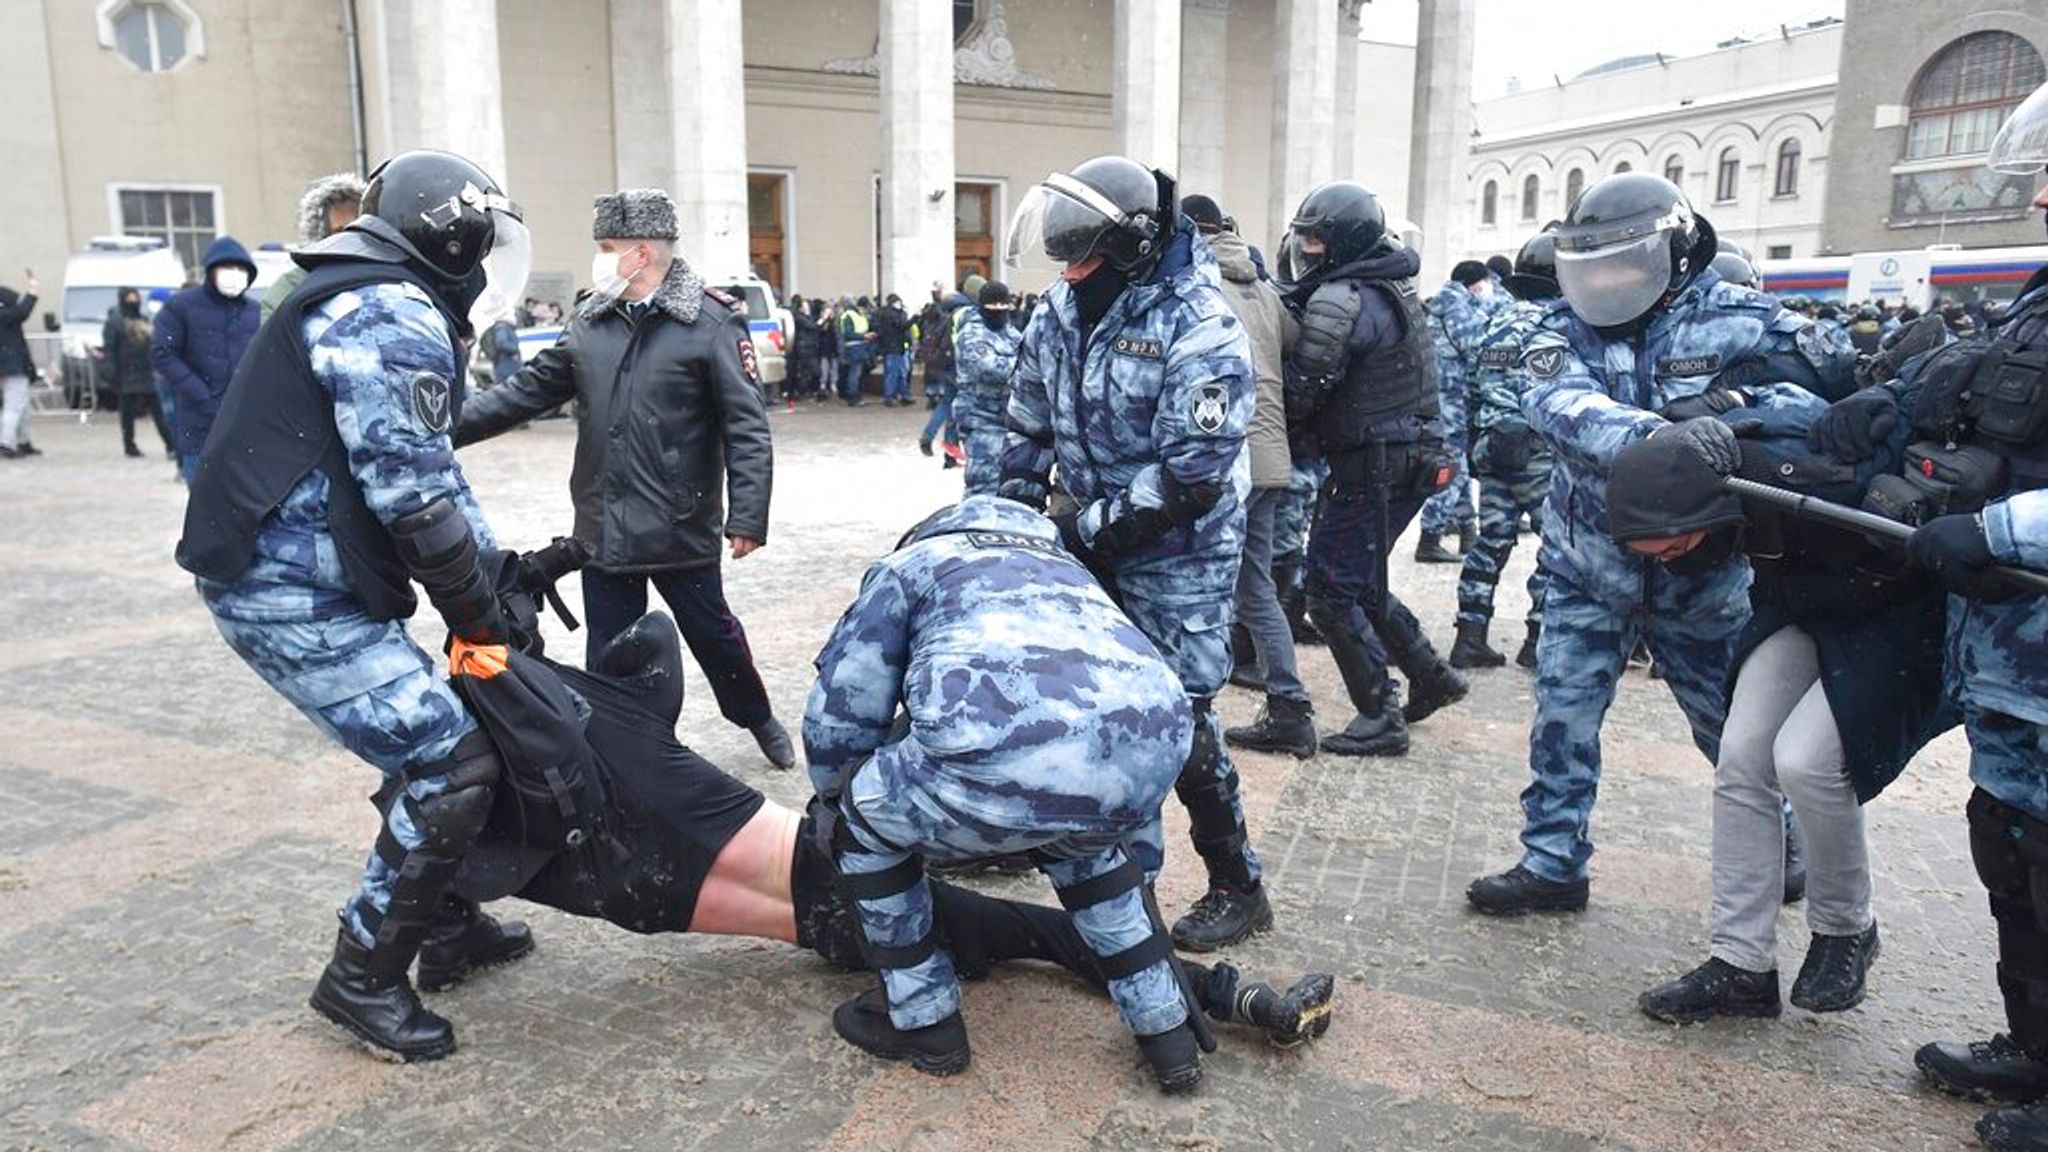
670	420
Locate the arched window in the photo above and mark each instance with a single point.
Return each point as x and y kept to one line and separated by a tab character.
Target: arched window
1965	92
1574	183
1787	182
1624	166
1727	172
1489	202
1674	170
1529	190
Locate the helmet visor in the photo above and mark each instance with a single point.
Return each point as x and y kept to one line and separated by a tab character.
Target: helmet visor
1060	222
505	268
2021	146
1617	283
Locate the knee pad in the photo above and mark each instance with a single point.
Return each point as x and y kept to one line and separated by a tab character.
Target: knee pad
1329	614
1996	851
449	821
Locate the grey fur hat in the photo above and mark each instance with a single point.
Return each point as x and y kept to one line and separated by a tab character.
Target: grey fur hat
323	194
634	214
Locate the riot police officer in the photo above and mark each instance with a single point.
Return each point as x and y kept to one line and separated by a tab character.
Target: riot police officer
1135	377
1362	394
984	352
326	489
1509	458
1986	402
1648	340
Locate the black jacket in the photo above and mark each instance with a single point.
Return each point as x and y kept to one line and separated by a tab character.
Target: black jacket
1363	367
14	313
669	419
809	335
892	330
125	340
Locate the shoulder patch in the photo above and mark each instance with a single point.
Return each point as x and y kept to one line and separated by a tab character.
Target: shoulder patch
749	364
1544	363
431	400
1812	344
1132	346
724	297
1689	365
1209	410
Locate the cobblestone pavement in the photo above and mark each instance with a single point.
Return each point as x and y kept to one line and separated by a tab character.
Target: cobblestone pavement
174	839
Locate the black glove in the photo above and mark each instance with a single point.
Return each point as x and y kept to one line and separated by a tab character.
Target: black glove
1852	429
1709	439
1069	524
1712	402
1953	548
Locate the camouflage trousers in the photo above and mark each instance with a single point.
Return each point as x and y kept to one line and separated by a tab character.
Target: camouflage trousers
984	446
1292	519
1503	501
1451	509
905	806
367	685
1691	627
2008	758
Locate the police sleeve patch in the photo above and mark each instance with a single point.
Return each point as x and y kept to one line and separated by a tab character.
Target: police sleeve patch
1210	409
431	401
1812	344
1544	363
748	363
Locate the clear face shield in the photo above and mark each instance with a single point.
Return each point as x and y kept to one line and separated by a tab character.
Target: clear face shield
505	269
1612	274
2021	146
1059	222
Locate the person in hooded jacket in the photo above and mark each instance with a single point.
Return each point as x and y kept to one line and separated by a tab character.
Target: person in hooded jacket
125	340
200	337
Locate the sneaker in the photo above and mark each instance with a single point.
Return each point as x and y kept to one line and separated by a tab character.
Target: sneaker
1716	988
1831	979
27	449
1224	917
1995	1071
1429	549
1518	891
937	1049
775	744
1302	1014
7	453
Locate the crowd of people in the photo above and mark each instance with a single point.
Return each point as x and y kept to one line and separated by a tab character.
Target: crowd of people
1179	463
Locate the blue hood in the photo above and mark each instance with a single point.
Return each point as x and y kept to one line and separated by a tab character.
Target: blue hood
228	250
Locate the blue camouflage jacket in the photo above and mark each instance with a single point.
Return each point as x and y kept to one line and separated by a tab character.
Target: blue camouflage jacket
1498	379
365	348
1457	321
1018	673
983	358
1159	398
1591	394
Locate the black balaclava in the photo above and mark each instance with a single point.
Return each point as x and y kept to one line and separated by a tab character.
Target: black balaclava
1096	292
131	306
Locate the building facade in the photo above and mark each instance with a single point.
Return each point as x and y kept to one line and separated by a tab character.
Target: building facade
1744	130
1924	88
830	147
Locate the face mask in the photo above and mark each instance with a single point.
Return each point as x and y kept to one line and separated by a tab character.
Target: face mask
606	281
131	307
230	282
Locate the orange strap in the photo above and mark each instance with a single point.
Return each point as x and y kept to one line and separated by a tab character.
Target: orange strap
481	661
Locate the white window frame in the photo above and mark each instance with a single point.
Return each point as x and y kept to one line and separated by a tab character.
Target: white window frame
116	226
195	30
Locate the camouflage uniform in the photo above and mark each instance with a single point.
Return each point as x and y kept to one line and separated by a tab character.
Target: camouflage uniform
1152	412
983	358
1591	395
1511	461
1039	720
1457	320
291	615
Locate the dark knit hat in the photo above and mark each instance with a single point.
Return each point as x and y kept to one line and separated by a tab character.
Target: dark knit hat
1203	212
1470	272
1500	266
1660	487
634	214
996	294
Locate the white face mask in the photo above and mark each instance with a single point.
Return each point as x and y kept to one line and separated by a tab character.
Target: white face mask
606	281
230	282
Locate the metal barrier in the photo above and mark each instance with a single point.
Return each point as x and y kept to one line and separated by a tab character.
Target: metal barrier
67	383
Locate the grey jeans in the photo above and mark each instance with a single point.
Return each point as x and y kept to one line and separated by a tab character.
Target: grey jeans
1258	600
1781	743
13	411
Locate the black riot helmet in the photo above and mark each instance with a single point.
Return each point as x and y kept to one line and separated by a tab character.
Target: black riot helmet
1732	262
1111	206
1535	273
1346	218
1629	243
450	221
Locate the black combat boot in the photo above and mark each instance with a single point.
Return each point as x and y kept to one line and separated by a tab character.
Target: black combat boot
466	939
1429	549
1468	535
1716	988
1471	650
1435	687
1432	684
1227	915
2021	1129
1378	733
365	991
1527	656
937	1049
1175	1058
1284	725
1996	1071
1519	891
1831	979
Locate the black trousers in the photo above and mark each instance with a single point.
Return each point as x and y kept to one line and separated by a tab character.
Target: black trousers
134	404
696	597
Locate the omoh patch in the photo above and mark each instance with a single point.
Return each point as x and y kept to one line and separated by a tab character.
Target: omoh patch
748	363
1210	409
1543	363
431	401
1132	346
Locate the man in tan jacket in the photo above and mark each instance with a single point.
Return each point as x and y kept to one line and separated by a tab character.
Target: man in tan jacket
1287	723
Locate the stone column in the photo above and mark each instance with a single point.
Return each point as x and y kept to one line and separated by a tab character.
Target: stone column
643	113
708	102
1344	166
457	98
1145	102
917	147
1204	111
1304	103
1442	134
